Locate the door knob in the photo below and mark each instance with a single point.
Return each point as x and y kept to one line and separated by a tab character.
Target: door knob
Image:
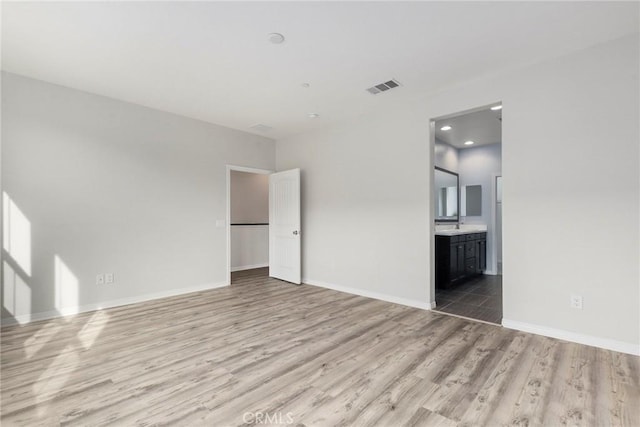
295	232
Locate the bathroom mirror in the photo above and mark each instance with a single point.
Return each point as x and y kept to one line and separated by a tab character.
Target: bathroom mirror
447	195
471	202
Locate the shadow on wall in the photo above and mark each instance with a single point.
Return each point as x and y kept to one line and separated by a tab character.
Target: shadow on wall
55	345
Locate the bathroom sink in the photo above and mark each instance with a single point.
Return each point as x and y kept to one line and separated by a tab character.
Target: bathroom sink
450	232
454	232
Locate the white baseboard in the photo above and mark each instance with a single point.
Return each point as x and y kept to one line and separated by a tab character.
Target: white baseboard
608	344
375	295
70	311
250	267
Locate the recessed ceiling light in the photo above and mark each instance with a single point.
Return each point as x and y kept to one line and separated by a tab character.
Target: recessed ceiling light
469	143
276	38
447	127
497	107
313	115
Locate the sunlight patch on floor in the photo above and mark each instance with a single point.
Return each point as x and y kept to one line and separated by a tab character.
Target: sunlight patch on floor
35	342
53	379
92	329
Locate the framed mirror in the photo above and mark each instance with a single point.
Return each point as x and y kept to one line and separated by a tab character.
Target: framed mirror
447	195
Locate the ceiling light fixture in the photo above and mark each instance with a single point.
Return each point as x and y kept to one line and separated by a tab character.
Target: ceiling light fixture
469	143
313	115
497	107
446	127
276	38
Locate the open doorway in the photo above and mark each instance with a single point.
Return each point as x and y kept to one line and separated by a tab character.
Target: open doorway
467	198
248	219
263	224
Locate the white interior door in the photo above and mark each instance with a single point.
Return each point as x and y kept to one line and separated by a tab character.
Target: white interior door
284	226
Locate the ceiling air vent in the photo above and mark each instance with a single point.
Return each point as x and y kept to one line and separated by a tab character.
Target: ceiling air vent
260	127
382	87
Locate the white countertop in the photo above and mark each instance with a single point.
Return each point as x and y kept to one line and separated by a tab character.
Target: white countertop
462	230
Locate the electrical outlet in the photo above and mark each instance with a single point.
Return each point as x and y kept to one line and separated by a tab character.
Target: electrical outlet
108	278
100	279
576	302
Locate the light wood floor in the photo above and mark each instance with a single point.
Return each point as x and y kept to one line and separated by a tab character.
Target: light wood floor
264	350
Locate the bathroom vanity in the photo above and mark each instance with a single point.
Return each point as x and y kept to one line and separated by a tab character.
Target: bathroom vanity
460	255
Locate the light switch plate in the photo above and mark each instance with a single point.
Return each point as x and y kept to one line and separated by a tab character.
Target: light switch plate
576	301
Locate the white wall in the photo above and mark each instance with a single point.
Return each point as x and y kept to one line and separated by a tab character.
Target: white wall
365	206
477	166
249	204
570	221
446	156
249	197
108	186
249	247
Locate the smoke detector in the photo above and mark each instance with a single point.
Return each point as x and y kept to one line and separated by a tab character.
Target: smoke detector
383	87
260	127
276	38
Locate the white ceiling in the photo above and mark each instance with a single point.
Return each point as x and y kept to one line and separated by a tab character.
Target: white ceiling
483	127
212	61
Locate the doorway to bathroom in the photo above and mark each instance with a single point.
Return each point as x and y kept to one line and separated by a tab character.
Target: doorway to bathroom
467	208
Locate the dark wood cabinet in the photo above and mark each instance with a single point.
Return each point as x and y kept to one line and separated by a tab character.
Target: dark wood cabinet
482	253
459	257
453	264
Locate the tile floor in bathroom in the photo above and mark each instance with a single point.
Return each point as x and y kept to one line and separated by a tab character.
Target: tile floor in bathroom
478	298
